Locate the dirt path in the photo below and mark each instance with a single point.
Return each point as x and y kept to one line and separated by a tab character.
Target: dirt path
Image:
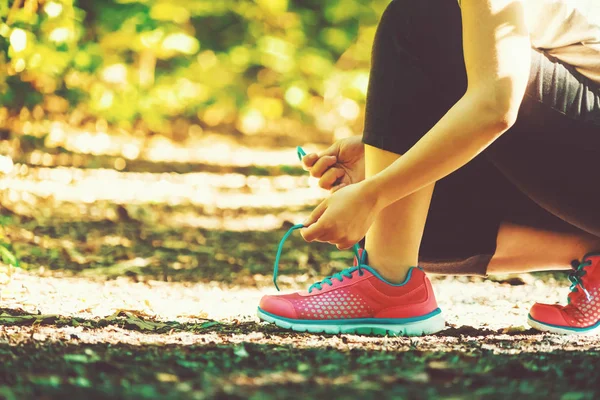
119	338
143	284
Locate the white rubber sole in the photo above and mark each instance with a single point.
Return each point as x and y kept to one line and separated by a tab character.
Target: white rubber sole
431	325
562	331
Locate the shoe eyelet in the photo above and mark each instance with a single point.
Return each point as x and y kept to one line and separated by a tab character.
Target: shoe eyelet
361	273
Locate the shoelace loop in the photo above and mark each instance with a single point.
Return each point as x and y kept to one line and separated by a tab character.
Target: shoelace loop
339	276
577	274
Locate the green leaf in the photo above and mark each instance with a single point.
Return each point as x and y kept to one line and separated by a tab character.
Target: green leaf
7	394
241	351
8	257
209	324
77	358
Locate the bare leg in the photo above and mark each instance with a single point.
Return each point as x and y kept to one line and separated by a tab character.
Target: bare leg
526	249
394	239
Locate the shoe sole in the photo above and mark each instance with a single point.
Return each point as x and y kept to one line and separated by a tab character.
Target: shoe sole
561	330
426	325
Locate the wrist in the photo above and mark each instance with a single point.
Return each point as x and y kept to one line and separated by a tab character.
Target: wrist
374	193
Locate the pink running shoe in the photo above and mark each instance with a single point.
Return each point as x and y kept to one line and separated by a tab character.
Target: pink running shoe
582	314
358	300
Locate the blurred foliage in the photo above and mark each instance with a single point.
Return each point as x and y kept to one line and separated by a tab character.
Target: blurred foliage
7	258
240	63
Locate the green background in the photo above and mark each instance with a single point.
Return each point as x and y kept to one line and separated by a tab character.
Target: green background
239	64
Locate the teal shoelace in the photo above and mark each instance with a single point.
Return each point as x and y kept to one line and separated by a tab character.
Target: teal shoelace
347	273
576	276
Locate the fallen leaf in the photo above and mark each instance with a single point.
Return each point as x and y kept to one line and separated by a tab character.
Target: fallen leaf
241	351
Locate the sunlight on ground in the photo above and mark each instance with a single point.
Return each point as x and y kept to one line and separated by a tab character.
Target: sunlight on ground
212	149
207	200
485	304
128	189
92	298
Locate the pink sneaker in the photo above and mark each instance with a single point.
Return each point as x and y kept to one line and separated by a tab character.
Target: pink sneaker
582	314
358	300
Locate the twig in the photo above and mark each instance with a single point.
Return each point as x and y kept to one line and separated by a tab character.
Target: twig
13	10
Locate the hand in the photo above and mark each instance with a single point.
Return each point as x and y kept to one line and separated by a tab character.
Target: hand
344	218
340	165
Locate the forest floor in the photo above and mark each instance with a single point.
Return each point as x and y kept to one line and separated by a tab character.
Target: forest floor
142	283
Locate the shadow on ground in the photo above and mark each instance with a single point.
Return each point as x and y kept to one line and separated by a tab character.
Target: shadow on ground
55	369
110	249
138	321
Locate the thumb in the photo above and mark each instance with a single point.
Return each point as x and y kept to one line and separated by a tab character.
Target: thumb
316	229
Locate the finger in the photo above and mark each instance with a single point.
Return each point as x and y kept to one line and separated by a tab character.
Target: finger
344	245
326	232
309	160
330	177
315	214
315	232
322	164
338	187
316	229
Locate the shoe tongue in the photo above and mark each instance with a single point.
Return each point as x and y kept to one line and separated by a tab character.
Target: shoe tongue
579	294
575	296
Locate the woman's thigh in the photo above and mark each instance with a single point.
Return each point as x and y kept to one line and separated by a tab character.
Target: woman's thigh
551	154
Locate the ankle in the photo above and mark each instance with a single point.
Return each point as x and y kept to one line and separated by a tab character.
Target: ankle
394	277
589	245
392	264
392	271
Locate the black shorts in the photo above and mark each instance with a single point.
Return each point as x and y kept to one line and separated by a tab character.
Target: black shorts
544	172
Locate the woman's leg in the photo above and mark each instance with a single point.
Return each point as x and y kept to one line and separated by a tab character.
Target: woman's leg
417	74
402	222
551	156
550	245
526	249
551	153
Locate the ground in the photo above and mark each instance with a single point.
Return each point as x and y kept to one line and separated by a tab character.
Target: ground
143	284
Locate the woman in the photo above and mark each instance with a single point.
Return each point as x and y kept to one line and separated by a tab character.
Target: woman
481	155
